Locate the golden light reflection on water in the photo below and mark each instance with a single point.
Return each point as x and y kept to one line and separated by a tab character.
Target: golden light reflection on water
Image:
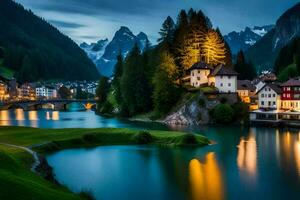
19	114
206	179
4	118
55	115
247	155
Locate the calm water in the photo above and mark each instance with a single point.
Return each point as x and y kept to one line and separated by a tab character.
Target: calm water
255	163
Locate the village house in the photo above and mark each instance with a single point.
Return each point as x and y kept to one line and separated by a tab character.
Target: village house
246	91
269	97
27	91
290	99
46	92
222	77
3	91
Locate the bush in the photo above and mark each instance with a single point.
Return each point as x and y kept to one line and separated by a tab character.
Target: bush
188	139
89	137
223	114
241	112
143	137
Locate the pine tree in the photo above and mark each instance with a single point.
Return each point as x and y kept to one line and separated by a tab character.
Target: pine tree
214	50
166	93
167	31
228	55
116	83
102	91
245	70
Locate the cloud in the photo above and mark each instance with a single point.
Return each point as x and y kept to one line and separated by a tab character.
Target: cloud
65	24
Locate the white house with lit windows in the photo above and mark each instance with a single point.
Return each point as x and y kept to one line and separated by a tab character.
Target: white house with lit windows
46	92
222	77
269	97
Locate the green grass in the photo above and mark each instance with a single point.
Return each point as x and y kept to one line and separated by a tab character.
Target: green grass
18	182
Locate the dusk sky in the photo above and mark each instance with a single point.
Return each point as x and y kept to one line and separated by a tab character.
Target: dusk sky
91	20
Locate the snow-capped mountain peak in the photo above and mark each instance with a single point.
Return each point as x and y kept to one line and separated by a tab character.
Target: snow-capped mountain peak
246	38
104	56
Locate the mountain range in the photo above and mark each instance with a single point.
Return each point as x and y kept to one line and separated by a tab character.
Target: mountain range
244	39
104	53
36	50
265	51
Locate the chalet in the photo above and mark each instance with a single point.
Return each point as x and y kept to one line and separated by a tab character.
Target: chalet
290	99
222	77
246	91
199	74
269	97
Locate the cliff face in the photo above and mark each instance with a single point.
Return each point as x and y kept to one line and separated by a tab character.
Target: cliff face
196	110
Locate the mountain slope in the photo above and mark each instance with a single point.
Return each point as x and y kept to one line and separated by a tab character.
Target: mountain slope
245	39
122	42
265	51
38	51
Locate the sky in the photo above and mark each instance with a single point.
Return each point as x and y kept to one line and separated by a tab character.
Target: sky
91	20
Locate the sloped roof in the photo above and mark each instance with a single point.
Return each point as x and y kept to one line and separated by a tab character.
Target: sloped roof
291	82
273	86
245	85
200	65
222	70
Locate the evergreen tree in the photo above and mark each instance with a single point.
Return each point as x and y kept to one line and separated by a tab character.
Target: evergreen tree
228	55
246	70
166	93
117	79
136	92
167	31
102	91
214	50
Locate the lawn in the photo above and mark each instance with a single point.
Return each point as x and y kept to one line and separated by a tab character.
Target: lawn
18	182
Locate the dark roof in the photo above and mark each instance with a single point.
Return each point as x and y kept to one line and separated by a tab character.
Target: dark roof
291	82
222	70
245	85
200	65
273	86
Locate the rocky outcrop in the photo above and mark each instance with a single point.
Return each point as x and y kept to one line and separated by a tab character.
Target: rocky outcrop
193	112
196	111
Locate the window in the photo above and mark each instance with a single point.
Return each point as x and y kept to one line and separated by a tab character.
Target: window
221	84
229	77
284	95
270	103
198	78
288	89
274	103
288	95
262	95
269	95
262	103
199	71
229	84
266	89
274	95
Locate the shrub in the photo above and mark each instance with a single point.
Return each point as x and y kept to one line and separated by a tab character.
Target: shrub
223	114
241	111
188	139
143	137
89	137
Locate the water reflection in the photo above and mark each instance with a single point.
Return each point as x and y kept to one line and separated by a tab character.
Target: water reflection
247	155
206	179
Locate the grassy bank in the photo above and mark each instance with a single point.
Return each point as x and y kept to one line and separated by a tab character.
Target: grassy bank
18	182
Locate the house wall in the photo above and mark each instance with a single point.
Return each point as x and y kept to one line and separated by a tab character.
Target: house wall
269	99
226	84
199	77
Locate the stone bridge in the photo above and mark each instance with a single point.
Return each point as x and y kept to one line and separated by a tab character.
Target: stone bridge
55	104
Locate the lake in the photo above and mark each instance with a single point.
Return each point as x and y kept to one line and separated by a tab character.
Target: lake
245	163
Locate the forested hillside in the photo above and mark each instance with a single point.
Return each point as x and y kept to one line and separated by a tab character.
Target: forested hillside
35	50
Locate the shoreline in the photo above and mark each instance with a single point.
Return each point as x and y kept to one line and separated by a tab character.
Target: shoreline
38	142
